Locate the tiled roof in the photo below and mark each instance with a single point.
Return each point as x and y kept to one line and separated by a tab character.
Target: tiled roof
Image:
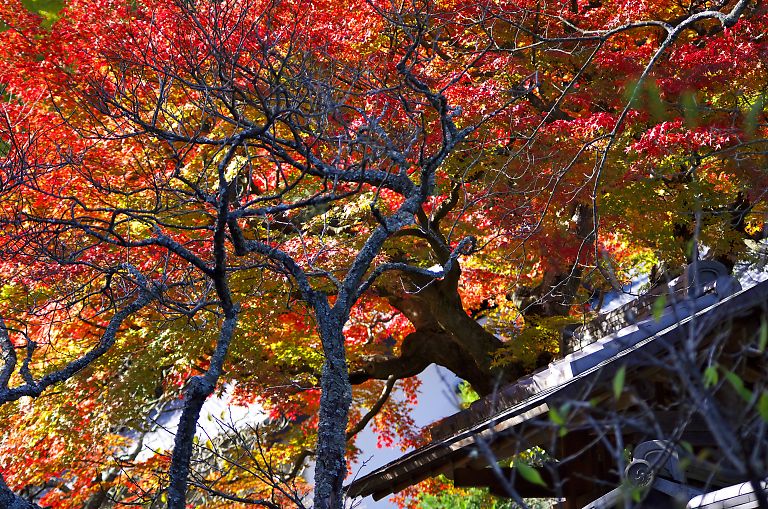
454	438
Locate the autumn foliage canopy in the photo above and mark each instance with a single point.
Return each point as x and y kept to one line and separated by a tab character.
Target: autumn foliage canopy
211	188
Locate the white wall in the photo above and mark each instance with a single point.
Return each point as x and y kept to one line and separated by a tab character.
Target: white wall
437	399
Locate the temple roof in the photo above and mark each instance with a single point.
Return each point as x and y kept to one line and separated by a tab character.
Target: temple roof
499	417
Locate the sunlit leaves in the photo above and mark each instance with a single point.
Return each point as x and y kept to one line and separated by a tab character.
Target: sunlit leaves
119	114
529	473
619	380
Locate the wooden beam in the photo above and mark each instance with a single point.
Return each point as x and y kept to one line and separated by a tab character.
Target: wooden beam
487	478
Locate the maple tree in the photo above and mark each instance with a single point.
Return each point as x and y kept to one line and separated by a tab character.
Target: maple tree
266	192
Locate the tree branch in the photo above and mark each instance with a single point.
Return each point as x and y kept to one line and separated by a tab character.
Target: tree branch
375	408
32	388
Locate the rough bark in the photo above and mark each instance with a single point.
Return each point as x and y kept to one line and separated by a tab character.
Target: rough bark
335	401
34	388
199	388
422	348
445	335
10	500
558	289
448	336
554	296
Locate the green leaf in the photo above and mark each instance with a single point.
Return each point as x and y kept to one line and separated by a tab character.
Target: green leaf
763	342
762	406
690	109
738	385
632	92
690	248
556	417
530	474
655	104
658	307
48	9
618	382
710	376
751	118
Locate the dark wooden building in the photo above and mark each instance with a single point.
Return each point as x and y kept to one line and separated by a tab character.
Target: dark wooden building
651	405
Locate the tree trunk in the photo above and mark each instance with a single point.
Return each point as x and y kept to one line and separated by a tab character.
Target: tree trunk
10	500
194	397
197	391
447	335
422	348
335	401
